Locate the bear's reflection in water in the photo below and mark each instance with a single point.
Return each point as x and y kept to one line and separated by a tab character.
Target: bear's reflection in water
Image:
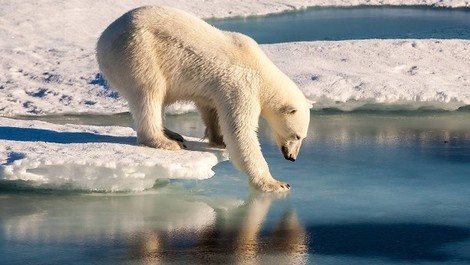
235	237
170	224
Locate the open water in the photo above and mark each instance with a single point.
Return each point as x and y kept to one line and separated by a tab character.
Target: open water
368	188
353	23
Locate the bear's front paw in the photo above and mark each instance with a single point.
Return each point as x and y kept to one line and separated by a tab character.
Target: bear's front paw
272	186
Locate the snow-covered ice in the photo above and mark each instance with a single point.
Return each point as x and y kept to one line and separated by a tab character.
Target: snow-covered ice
48	66
349	74
99	158
48	60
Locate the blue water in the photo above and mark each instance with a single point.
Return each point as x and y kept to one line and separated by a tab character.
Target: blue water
368	188
353	23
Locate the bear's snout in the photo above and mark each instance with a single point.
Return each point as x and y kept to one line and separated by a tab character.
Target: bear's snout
288	155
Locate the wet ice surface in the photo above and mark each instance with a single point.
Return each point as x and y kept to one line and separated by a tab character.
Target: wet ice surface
366	189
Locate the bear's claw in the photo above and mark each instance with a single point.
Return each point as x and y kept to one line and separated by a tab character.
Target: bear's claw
173	135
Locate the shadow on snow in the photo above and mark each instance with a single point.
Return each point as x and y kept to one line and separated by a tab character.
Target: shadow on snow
44	135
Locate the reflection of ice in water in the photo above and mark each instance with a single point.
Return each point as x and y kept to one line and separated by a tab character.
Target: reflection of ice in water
102	216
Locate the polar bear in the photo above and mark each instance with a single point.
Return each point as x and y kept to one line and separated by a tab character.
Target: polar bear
155	56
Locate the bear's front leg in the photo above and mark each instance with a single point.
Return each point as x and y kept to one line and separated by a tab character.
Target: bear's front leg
239	130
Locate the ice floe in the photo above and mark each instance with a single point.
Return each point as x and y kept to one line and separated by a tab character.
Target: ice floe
96	158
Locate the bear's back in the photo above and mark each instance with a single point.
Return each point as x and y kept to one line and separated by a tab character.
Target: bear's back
167	22
172	30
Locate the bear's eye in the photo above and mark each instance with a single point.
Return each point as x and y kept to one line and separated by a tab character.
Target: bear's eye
288	110
295	136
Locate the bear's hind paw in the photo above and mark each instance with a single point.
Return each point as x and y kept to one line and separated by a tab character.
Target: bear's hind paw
166	144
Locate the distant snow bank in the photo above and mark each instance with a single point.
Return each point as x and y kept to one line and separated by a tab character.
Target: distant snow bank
94	158
406	73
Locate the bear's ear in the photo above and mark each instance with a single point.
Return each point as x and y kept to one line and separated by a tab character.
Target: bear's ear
287	109
311	103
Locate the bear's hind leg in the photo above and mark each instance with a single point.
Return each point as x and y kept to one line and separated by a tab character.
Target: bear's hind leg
149	125
211	120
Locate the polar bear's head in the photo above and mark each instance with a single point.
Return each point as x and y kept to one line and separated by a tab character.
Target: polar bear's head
289	122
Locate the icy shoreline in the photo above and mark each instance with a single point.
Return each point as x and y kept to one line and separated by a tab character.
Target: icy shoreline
94	158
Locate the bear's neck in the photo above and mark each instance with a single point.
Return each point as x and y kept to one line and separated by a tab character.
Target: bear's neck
274	91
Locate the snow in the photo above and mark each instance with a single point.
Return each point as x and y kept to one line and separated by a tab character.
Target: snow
48	60
48	66
97	158
348	74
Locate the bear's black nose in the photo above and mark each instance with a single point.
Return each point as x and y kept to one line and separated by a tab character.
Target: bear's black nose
289	157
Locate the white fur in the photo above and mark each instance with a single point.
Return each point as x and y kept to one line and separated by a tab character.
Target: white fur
154	56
